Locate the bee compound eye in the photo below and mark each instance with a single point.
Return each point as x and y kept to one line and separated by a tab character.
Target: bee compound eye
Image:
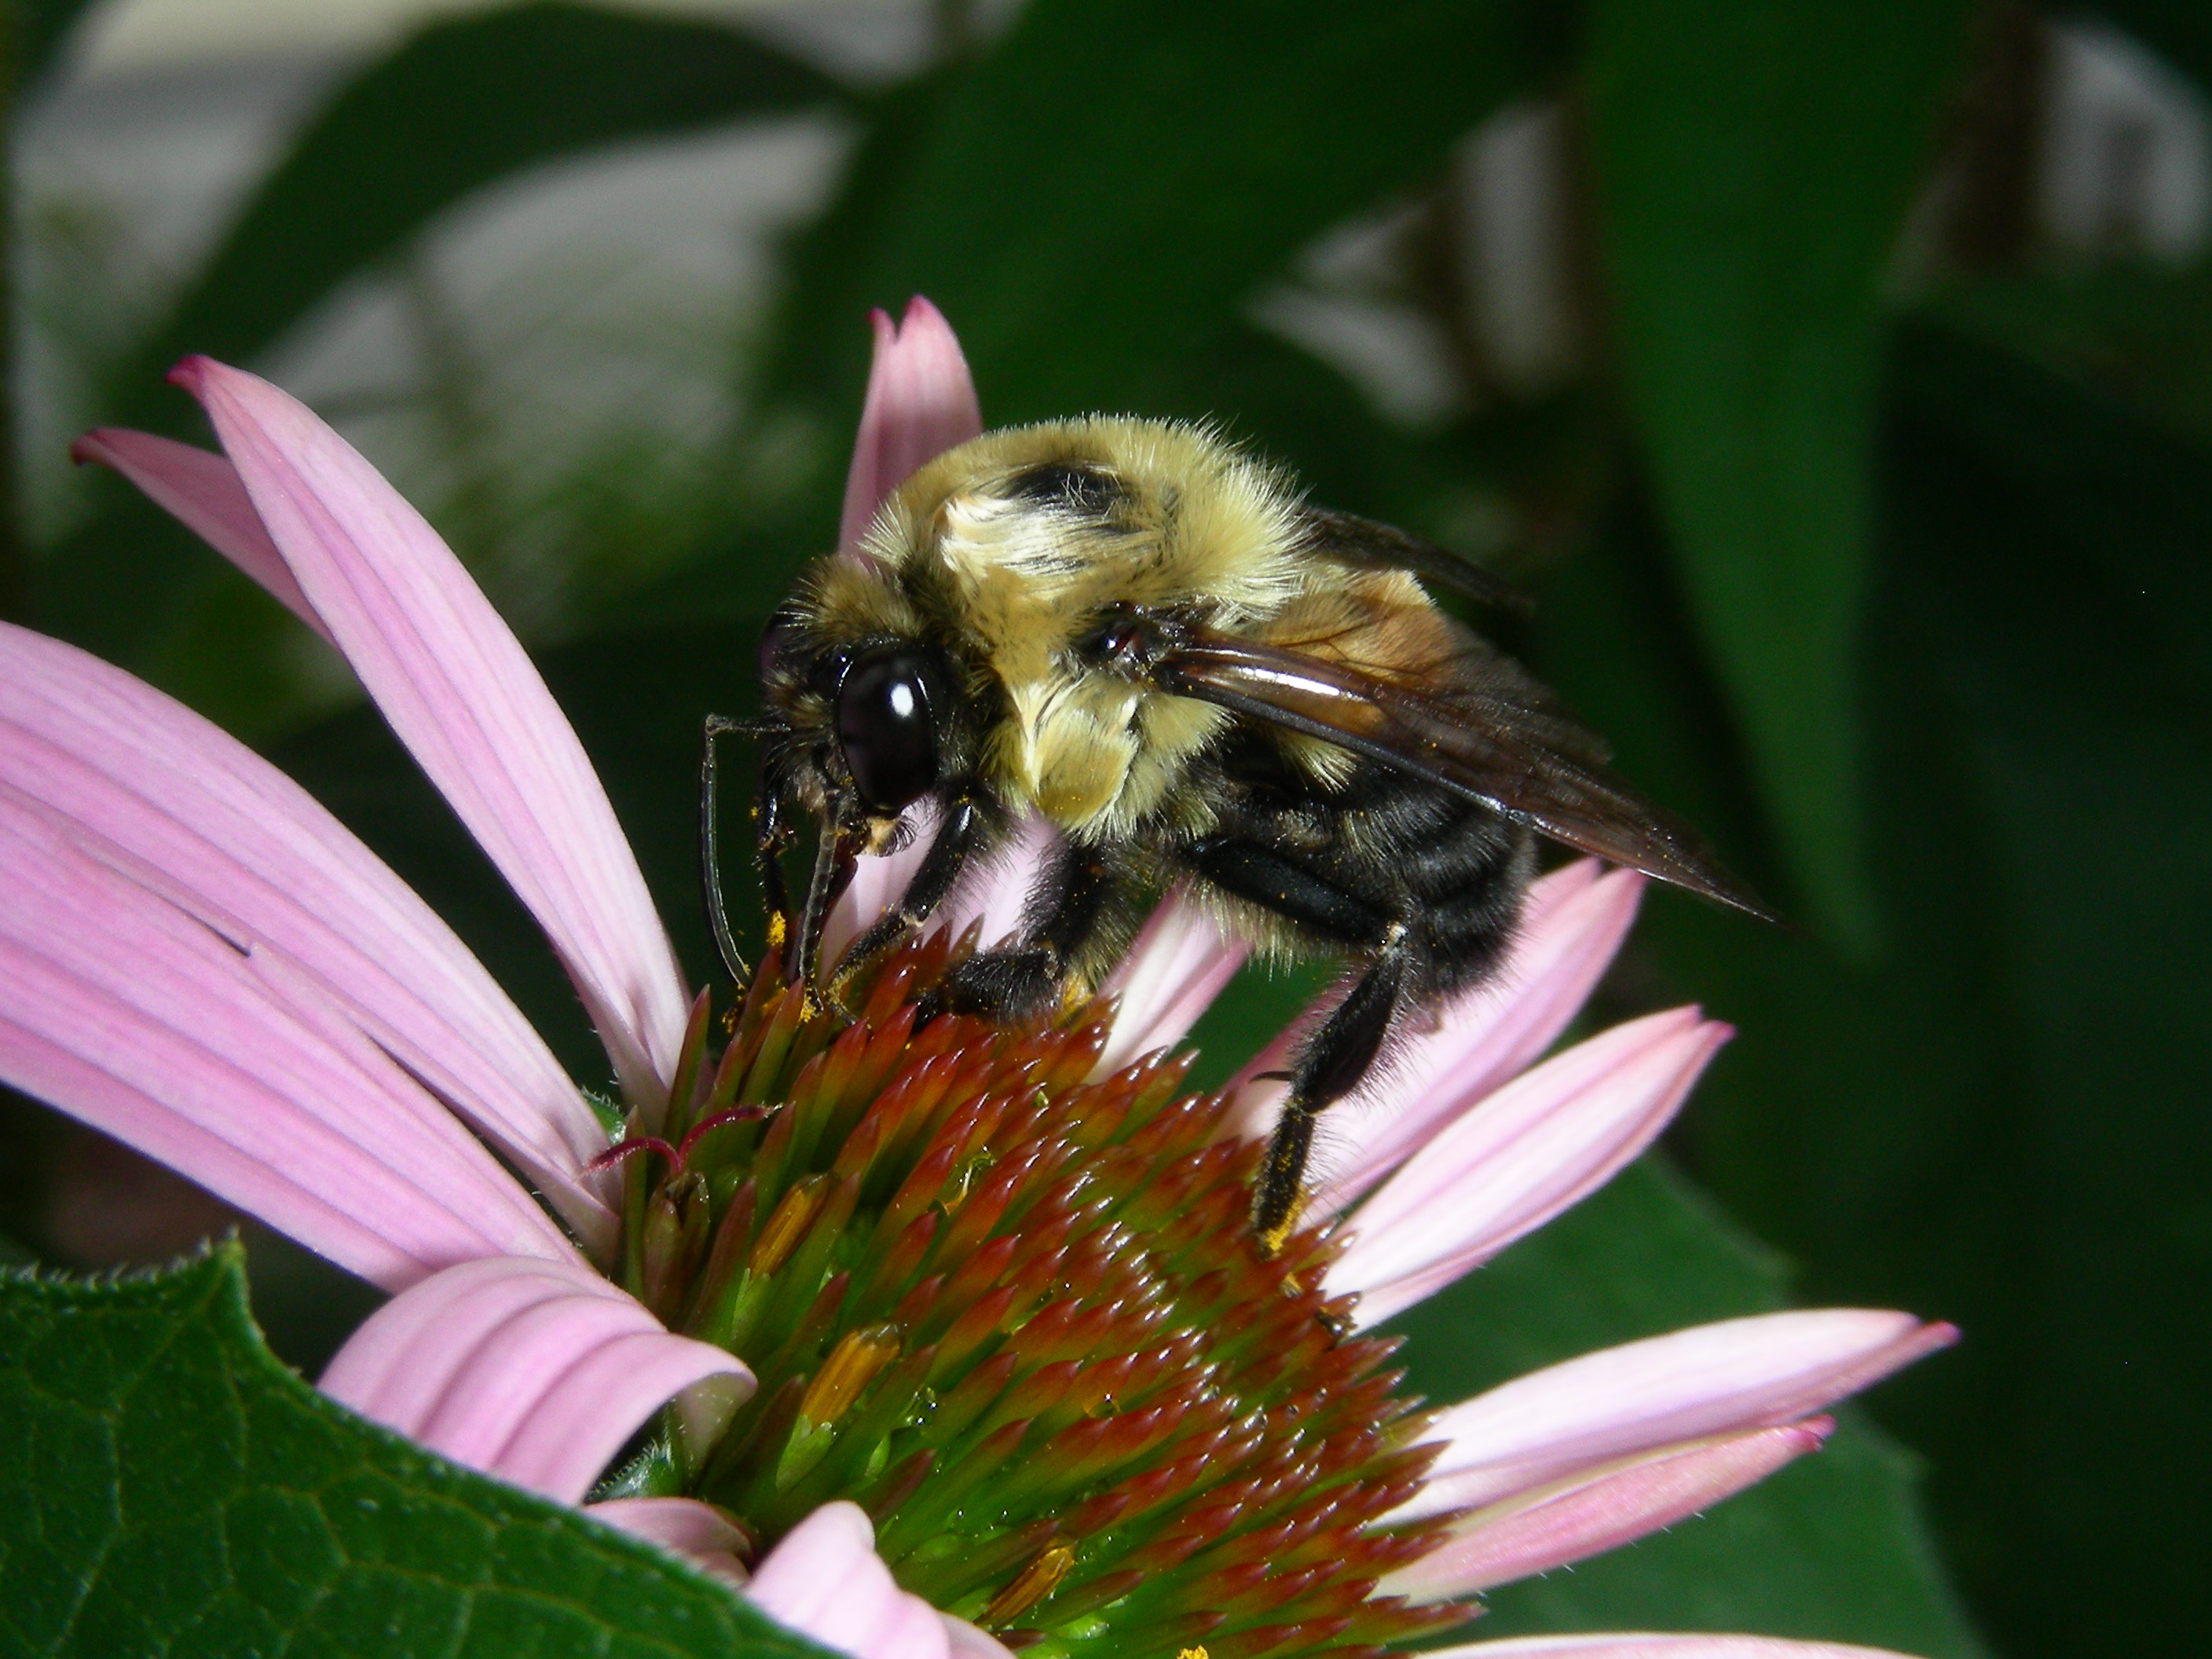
887	727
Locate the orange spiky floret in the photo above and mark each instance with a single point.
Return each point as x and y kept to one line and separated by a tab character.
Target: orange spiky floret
1017	1314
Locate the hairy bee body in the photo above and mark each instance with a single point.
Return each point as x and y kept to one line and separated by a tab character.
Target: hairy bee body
1145	636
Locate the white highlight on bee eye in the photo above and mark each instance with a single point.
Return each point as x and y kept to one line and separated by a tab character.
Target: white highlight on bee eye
902	700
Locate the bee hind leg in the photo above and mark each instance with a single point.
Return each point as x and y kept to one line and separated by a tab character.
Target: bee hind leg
1335	1060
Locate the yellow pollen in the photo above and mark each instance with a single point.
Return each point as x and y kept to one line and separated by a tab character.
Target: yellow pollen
1191	1653
859	1357
1031	1585
788	1224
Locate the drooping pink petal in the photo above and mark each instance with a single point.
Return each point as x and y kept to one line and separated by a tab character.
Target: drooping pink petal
201	490
536	1372
224	1062
459	690
398	1364
920	402
190	813
1535	1148
1656	1644
825	1581
1587	1517
1722	1378
685	1527
1175	967
1572	924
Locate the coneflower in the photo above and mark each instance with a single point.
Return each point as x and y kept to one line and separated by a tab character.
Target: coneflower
950	1339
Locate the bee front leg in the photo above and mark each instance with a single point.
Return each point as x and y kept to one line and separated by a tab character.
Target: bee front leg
710	851
1336	1059
958	835
771	836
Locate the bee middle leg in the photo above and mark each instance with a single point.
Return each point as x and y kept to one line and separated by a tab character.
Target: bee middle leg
1069	911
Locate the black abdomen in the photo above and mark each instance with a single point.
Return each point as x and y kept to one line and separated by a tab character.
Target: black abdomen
1348	866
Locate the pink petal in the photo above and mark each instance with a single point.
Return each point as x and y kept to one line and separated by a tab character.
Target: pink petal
685	1527
966	1641
996	891
201	490
1175	967
1589	1518
1646	1644
1572	924
921	402
1542	1144
219	1059
458	689
991	892
1721	1378
878	883
536	1372
1575	922
190	813
825	1581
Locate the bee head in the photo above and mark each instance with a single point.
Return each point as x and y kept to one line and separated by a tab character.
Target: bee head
864	721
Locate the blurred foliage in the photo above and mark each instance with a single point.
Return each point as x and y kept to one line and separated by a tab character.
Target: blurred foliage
1753	162
1906	603
460	104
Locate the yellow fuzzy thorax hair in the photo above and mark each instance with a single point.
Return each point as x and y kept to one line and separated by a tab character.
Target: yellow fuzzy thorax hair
1190	526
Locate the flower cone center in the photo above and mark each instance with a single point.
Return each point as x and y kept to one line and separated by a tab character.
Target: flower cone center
1016	1313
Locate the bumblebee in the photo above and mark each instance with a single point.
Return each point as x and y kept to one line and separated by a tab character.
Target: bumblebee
1144	634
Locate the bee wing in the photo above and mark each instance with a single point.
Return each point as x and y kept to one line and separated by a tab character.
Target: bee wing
1352	540
1486	741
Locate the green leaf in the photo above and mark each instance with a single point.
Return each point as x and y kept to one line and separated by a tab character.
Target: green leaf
1095	197
175	1489
2050	547
2135	336
1999	1120
1863	1119
1753	162
1832	1548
